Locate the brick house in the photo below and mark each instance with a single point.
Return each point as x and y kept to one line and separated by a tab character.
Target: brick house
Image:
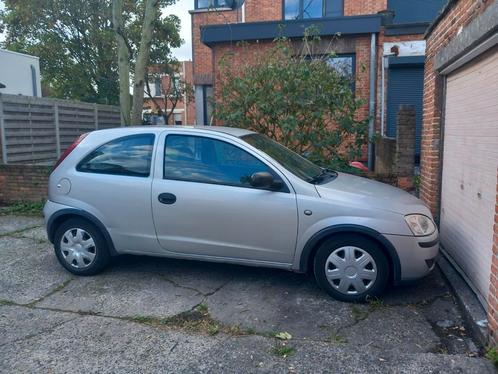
182	108
382	42
459	162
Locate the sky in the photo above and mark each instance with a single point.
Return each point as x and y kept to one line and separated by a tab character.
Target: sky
181	9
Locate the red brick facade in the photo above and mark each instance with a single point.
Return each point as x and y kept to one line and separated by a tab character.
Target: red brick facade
262	10
206	60
355	7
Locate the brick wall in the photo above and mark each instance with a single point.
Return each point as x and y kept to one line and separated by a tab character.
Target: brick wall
23	183
202	54
405	145
263	10
358	7
493	284
459	15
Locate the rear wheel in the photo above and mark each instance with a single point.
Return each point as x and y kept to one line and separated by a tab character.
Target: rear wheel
351	268
80	247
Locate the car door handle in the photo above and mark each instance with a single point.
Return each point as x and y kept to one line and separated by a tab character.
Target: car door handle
167	198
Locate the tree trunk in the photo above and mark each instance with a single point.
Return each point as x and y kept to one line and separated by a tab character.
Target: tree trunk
151	12
123	61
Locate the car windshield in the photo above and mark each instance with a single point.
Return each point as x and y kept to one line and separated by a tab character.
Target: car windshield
297	165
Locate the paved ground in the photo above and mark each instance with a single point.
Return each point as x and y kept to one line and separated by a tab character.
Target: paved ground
160	315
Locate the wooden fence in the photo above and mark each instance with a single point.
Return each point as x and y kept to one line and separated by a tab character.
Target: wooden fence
37	130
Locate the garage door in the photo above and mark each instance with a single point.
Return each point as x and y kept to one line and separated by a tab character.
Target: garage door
470	164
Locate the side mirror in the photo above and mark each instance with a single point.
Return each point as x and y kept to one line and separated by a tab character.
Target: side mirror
264	179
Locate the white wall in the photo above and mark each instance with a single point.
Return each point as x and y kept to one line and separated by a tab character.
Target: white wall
16	74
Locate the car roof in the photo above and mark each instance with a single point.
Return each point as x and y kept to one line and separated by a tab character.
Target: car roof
234	131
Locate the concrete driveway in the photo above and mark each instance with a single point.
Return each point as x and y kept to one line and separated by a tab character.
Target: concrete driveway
159	315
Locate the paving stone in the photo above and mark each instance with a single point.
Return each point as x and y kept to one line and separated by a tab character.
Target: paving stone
28	270
124	293
276	301
38	233
399	329
90	344
10	224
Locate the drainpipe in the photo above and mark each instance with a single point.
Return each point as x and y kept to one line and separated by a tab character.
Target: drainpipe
371	107
185	103
385	65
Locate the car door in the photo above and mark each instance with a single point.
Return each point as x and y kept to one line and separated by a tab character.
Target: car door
203	204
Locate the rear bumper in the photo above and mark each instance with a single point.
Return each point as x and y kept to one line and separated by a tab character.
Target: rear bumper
417	255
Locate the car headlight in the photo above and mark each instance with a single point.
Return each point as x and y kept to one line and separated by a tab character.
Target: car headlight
420	225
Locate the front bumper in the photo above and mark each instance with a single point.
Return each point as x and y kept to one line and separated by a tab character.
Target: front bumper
417	255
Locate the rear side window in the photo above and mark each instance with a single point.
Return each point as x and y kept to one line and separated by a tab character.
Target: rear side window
130	155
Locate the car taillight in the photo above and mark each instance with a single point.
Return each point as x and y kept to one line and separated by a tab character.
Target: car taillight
70	149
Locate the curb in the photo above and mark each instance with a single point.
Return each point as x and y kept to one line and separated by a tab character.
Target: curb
473	312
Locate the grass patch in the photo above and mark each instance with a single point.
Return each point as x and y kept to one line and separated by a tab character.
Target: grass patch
282	350
375	303
24	208
358	312
492	355
197	320
337	339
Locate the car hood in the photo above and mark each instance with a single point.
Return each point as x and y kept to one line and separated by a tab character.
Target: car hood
367	193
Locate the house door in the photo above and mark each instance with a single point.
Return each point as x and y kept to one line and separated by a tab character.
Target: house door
470	162
405	87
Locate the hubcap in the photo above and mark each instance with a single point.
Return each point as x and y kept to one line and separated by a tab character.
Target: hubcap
78	248
351	270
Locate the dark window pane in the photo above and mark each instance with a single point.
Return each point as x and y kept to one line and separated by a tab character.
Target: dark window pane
211	4
205	160
130	156
342	64
312	8
334	8
292	9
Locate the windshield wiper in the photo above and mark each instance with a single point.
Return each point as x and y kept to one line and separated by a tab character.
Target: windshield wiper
322	176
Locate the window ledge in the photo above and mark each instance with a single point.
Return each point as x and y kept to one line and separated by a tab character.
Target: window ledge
207	10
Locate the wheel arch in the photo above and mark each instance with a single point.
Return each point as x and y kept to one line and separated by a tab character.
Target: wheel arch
314	242
63	215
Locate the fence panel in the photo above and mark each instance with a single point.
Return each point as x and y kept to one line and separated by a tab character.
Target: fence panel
36	130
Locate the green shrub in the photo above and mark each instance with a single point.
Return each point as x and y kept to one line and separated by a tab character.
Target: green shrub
296	98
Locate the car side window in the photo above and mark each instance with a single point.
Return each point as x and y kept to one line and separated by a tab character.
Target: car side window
129	155
206	160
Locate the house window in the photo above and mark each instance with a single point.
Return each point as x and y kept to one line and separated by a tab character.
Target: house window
178	119
157	87
303	9
205	4
343	64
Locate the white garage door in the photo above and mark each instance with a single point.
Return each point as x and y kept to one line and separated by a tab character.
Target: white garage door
470	164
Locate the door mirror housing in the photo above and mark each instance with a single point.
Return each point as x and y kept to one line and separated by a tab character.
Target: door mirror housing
264	179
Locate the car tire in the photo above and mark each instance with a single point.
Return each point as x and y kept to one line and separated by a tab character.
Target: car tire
351	268
80	247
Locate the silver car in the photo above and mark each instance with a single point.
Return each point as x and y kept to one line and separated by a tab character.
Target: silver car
234	196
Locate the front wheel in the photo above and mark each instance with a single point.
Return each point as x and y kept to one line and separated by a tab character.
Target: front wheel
80	247
351	268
